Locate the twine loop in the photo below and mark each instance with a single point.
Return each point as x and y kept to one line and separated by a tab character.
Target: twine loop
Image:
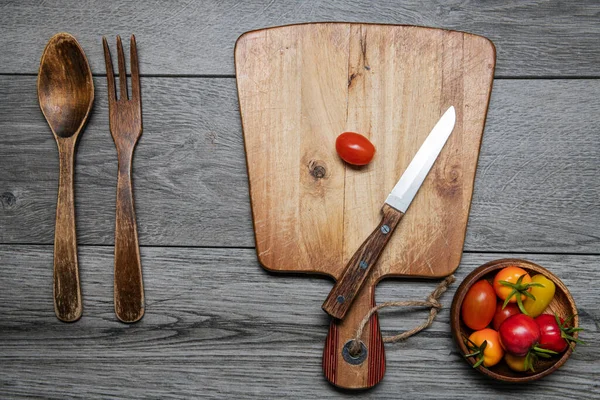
432	302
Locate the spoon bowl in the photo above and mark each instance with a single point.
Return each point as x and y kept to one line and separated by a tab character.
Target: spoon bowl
65	86
66	94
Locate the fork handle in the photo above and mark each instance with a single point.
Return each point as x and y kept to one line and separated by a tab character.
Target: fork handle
129	287
66	288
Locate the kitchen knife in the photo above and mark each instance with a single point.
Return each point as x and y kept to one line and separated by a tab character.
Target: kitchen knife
341	296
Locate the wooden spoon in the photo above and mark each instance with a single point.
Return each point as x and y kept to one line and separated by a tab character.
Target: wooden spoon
66	94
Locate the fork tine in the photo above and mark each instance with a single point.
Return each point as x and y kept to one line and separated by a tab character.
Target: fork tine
135	74
110	76
122	72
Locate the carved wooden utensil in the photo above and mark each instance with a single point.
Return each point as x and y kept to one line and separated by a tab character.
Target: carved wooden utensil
126	128
299	87
66	94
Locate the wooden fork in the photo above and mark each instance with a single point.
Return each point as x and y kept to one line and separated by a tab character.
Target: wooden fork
126	128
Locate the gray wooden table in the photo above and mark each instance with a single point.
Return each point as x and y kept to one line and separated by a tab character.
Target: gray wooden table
217	325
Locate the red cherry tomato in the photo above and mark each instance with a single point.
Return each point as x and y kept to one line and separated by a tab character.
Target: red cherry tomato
479	305
354	148
551	338
503	313
519	334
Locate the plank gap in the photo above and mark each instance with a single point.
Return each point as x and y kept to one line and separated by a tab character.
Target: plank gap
544	253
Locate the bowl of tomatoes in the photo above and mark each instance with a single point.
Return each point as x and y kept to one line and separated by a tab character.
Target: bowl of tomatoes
514	320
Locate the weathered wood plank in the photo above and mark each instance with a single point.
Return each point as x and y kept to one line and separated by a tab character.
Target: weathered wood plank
535	38
219	326
536	188
189	163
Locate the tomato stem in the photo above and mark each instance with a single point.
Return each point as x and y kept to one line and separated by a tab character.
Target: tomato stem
477	351
568	332
540	351
530	360
519	288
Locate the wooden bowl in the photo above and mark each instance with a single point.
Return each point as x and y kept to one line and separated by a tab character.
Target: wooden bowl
562	304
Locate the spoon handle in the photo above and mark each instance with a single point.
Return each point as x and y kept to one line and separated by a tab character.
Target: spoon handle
129	287
67	292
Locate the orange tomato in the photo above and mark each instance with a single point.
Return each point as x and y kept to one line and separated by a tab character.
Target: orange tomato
510	275
492	353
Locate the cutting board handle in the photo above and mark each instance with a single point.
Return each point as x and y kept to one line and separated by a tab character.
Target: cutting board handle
368	367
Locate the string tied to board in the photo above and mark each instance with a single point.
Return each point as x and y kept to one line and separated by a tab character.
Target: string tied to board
432	302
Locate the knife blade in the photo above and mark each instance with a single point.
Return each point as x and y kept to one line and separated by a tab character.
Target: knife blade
341	296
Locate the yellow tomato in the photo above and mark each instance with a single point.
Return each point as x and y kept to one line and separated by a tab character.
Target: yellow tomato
492	352
543	296
516	363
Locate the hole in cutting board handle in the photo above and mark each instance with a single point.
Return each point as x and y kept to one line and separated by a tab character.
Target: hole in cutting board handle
354	359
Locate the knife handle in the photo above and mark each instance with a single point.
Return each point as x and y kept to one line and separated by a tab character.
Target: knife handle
345	289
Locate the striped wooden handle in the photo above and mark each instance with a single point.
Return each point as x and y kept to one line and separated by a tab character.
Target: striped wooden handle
365	369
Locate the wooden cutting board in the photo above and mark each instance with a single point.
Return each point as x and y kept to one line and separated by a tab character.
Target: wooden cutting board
299	87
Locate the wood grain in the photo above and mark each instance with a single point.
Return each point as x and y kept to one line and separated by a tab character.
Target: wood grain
205	333
536	187
66	285
125	117
190	165
536	190
295	160
390	83
66	94
534	38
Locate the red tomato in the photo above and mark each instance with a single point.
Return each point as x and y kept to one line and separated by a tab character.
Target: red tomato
551	338
479	305
519	334
354	148
503	313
